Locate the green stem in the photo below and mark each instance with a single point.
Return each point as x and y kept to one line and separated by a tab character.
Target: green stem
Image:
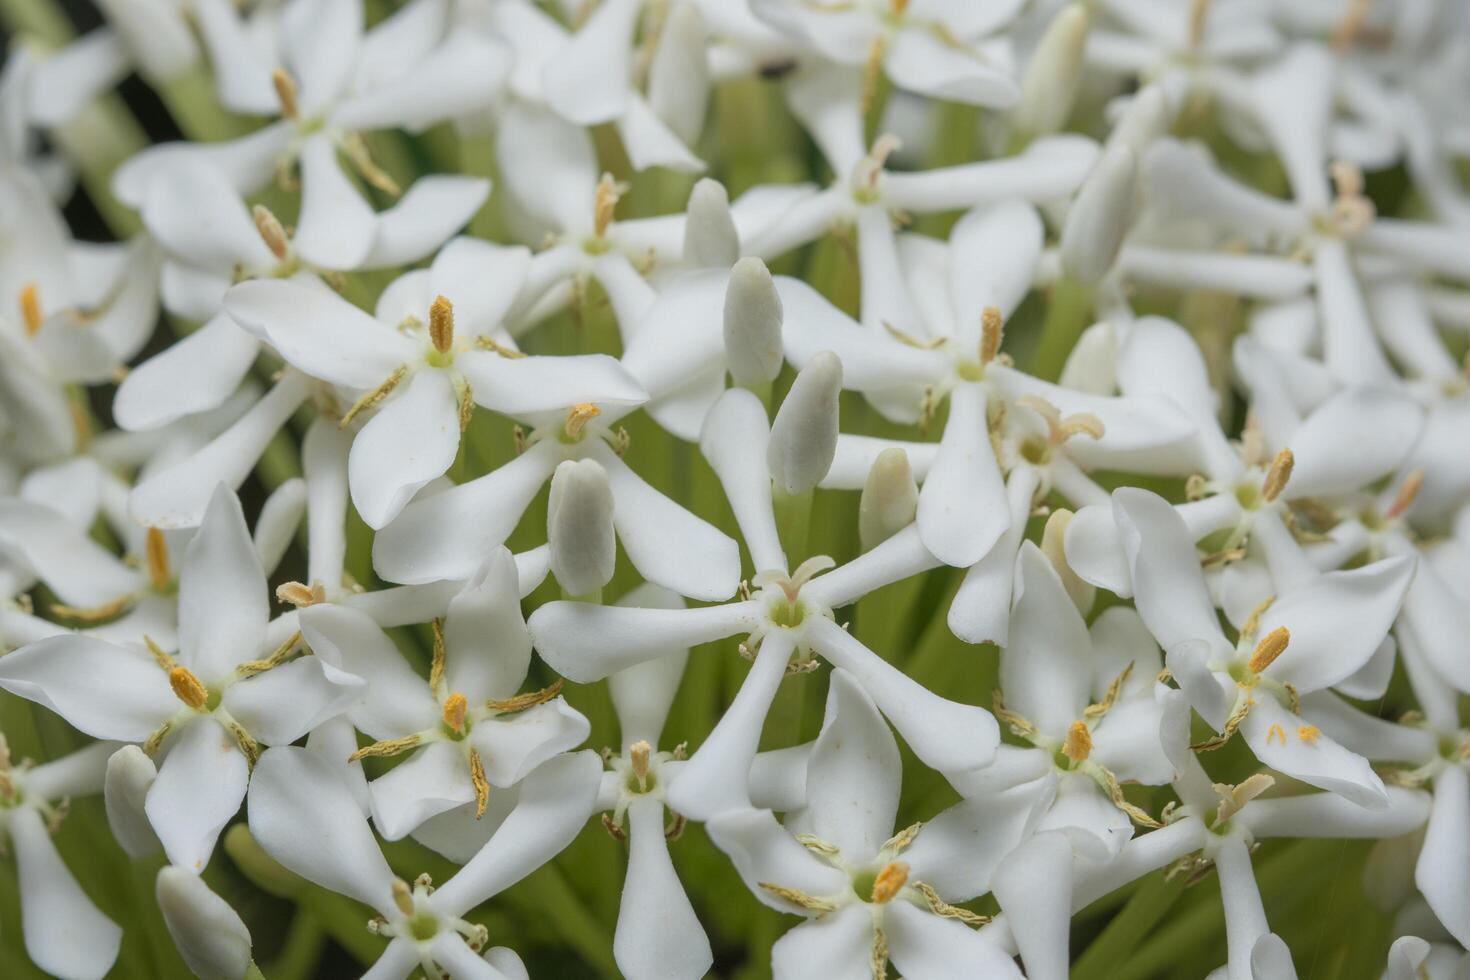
793	522
1068	313
547	893
302	949
1128	928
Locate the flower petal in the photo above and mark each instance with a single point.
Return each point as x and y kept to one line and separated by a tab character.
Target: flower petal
962	506
199	788
1445	859
396	701
431	781
335	228
734	441
854	773
1034	887
485	634
658	933
287	702
512	747
1046	671
101	689
412	440
836	946
764	851
65	933
223	606
585	642
1319	760
958	851
195	374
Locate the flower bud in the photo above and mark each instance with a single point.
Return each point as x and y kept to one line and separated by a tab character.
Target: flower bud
678	76
208	933
130	773
1144	120
1050	85
579	527
890	498
753	348
1099	217
710	238
804	435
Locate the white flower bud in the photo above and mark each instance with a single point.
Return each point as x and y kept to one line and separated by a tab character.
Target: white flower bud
130	773
710	238
211	938
1099	217
1050	85
1092	366
579	527
678	76
753	347
1144	120
890	498
804	435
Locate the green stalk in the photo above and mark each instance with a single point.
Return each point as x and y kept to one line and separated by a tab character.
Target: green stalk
793	522
301	951
1150	903
1068	313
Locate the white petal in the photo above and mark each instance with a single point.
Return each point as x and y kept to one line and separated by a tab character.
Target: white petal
199	788
397	701
322	39
286	702
1319	761
1245	918
1046	671
762	850
461	76
657	932
194	374
649	142
1353	439
488	647
512	747
548	165
335	229
431	781
223	607
305	817
1329	815
1167	585
1050	169
1034	887
854	772
734	441
80	571
482	280
962	505
586	642
208	933
412	440
901	556
1446	854
958	850
836	946
945	735
247	162
1349	346
65	934
532	386
103	690
430	211
588	80
1293	97
993	257
924	945
642	694
918	60
715	780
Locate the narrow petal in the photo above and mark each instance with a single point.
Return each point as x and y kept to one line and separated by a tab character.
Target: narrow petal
199	788
920	61
1349	346
223	606
588	80
460	77
532	386
924	945
397	701
1034	887
981	610
101	689
962	505
658	933
65	934
335	229
430	211
431	781
854	772
1272	733
287	702
764	851
959	850
79	570
734	440
838	945
1445	859
485	634
512	747
586	642
1168	588
1245	918
642	694
412	440
195	374
1046	671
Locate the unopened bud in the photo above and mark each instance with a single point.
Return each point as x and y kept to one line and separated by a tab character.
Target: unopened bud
890	498
130	774
1144	120
710	238
804	435
209	935
753	316
1050	85
678	74
1099	217
579	527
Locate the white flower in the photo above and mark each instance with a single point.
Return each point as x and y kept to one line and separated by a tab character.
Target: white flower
208	933
65	933
470	733
210	707
868	893
305	817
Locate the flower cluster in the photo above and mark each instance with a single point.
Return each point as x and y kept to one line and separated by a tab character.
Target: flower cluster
979	471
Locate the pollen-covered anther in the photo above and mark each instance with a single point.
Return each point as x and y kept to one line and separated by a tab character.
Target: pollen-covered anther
271	231
890	881
286	93
403	896
1078	745
30	309
441	324
374	397
301	595
992	333
609	192
1408	491
1272	645
638	754
1309	734
160	576
187	688
1081	424
455	707
480	783
1275	733
578	417
1352	210
1278	475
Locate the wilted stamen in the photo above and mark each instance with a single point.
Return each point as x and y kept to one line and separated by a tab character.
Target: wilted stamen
992	332
441	324
1408	491
1272	645
455	707
870	167
890	881
480	783
271	231
187	688
578	418
1079	742
30	309
609	192
286	93
1278	475
160	576
1233	798
300	595
638	753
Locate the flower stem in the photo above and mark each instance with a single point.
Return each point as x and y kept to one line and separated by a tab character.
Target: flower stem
1068	312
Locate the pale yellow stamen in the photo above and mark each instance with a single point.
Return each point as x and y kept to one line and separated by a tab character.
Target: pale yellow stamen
300	595
402	896
160	576
799	898
187	687
890	881
609	192
441	324
1079	742
387	747
455	707
1352	211
92	614
898	6
481	784
1408	491
992	332
1272	645
30	309
1278	475
271	231
362	161
1275	732
441	656
578	417
638	753
375	396
1199	13
1233	798
1309	734
872	71
286	93
530	699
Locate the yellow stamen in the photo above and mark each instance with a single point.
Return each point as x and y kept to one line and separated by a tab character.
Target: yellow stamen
466	405
271	231
901	840
1408	491
1272	645
799	898
92	614
1095	711
1199	12
300	595
362	161
455	707
277	657
528	700
940	907
890	880
1253	621
606	202
879	965
249	747
638	752
1309	734
578	417
486	342
286	93
387	747
159	656
481	784
30	309
187	687
872	72
1278	475
156	548
441	324
375	396
898	6
992	332
441	656
1347	30
1079	742
402	896
1275	732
